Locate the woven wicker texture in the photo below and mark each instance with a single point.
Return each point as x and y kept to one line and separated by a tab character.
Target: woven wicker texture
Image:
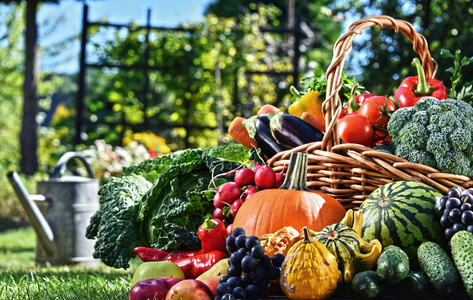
350	172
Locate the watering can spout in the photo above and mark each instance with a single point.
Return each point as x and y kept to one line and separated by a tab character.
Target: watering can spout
37	220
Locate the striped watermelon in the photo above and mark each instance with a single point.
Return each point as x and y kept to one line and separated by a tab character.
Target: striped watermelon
402	213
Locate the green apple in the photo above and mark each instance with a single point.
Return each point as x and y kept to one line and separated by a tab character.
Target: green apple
156	269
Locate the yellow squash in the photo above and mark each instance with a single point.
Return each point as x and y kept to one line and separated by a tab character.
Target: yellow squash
309	271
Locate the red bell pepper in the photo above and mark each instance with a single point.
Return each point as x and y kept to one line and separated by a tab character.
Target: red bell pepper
414	88
150	254
198	264
212	235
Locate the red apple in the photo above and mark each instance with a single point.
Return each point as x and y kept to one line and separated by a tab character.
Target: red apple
171	280
190	289
155	288
212	283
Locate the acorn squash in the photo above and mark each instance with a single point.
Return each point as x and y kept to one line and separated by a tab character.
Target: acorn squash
353	254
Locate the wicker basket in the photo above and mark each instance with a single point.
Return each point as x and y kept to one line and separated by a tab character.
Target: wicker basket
350	172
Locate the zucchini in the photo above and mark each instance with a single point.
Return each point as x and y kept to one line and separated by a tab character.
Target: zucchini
393	265
462	253
367	285
438	267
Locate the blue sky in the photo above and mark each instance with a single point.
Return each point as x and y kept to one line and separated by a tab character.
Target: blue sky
163	13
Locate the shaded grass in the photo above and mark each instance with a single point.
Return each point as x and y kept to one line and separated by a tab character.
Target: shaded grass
22	278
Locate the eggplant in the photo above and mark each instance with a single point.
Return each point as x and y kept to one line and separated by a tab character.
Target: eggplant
292	131
259	130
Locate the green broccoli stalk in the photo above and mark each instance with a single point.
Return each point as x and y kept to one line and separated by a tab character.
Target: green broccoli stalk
435	133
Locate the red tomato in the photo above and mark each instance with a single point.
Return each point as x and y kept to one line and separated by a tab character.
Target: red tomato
363	97
355	128
378	110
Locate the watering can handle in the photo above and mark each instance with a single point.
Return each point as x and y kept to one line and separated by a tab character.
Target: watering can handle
61	165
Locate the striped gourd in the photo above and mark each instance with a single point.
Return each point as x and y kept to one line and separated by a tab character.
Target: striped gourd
402	213
353	254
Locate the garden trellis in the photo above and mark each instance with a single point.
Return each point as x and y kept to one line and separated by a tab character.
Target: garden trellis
84	123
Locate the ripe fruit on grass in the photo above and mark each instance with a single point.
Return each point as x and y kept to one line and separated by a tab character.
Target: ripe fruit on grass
402	213
292	204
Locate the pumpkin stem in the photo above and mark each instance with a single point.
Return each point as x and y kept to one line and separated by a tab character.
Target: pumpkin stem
307	237
296	175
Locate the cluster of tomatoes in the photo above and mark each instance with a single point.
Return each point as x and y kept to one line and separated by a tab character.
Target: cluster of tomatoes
365	120
231	195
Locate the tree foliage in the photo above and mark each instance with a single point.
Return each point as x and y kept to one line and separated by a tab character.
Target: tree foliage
319	20
445	24
183	97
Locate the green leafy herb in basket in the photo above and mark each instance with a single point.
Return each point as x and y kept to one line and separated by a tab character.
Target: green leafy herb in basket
459	90
318	82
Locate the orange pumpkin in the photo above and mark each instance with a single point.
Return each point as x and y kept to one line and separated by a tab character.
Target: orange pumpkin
293	204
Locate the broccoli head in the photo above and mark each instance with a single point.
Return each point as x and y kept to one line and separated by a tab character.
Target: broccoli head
435	133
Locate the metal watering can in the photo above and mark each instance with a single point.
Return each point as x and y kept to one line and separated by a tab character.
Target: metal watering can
60	213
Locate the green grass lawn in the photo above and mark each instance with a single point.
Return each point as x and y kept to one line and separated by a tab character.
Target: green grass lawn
22	278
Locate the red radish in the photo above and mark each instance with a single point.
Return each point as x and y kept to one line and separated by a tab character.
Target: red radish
228	192
265	177
256	167
229	229
279	180
217	202
244	177
235	206
249	191
218	214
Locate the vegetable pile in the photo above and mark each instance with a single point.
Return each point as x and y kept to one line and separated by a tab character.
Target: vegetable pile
160	203
221	224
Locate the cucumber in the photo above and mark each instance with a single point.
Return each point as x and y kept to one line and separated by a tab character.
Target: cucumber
367	285
416	285
462	253
438	267
393	265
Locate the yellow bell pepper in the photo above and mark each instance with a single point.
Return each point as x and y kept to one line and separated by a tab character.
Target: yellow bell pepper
311	102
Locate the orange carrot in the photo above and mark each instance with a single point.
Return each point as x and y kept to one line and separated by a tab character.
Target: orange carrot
268	108
313	120
239	133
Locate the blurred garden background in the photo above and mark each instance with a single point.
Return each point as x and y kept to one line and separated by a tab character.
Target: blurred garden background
145	88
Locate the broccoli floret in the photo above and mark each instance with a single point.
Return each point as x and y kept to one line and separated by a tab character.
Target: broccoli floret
460	139
415	155
399	119
456	162
425	103
435	133
422	157
414	135
438	143
421	117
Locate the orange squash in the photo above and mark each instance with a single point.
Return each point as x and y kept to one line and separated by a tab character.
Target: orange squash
293	204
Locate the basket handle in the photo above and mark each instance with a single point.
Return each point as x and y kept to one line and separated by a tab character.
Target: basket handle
332	105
